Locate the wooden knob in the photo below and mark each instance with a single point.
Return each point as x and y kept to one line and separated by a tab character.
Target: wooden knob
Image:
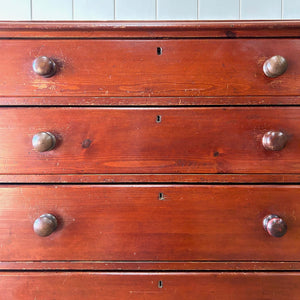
43	141
275	66
274	226
274	140
44	66
45	225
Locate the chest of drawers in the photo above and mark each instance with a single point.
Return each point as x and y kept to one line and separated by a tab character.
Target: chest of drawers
150	160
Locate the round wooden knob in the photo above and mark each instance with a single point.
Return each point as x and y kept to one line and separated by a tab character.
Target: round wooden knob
44	66
274	140
275	66
274	226
45	225
43	141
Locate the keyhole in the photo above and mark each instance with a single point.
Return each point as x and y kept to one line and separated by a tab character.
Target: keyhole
159	50
158	119
160	284
161	196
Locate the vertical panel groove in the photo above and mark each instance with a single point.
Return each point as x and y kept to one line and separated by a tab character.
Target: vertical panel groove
30	9
72	9
115	9
285	9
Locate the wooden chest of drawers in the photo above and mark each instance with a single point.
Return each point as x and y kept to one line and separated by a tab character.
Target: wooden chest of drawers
150	160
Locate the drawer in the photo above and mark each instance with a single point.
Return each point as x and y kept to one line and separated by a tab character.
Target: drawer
197	140
184	67
149	222
173	286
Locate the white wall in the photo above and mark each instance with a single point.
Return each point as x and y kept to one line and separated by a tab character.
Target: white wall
148	9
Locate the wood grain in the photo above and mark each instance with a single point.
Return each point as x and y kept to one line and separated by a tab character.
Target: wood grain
130	140
156	216
150	178
161	266
149	101
149	29
132	68
175	286
149	222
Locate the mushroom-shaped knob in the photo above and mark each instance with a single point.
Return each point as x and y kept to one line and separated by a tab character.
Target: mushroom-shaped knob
275	66
274	140
275	226
45	225
43	141
44	66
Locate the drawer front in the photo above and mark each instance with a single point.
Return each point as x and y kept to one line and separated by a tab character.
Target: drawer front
173	286
151	140
144	222
213	67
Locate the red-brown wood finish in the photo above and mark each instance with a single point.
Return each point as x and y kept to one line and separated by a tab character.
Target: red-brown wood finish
149	101
124	140
205	67
150	29
151	178
162	266
173	286
166	194
149	222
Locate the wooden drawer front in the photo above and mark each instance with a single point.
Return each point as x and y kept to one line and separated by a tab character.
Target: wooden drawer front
213	67
173	286
144	222
132	140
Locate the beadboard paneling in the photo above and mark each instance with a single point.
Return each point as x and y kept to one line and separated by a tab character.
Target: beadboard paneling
15	10
177	10
149	9
260	9
219	9
52	10
135	9
93	9
291	9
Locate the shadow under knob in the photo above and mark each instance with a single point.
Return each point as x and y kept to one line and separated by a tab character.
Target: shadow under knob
45	225
274	140
43	141
275	66
275	226
44	66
